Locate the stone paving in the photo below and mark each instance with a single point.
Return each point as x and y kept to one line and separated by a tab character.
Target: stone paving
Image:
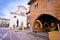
26	35
3	32
42	35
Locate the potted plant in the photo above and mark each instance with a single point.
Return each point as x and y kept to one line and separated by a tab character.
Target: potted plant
52	28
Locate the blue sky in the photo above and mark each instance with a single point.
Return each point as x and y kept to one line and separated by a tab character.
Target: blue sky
7	6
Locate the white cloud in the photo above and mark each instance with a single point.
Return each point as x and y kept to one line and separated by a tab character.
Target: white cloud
11	7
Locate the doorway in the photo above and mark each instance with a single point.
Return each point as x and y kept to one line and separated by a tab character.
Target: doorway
17	23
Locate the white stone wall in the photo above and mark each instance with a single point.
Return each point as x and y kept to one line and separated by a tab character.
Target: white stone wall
21	18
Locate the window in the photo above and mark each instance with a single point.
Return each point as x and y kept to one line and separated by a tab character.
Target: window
22	14
14	16
36	5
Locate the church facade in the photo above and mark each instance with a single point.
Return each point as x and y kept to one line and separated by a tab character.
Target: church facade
18	18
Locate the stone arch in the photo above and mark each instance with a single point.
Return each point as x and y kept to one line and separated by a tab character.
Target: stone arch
46	24
42	18
37	25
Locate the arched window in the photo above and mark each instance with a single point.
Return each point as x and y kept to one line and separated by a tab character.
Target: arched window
36	5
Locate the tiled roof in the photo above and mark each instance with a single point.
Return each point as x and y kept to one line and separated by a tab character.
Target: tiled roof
30	2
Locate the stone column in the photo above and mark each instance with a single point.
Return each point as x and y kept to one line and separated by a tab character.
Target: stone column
58	27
